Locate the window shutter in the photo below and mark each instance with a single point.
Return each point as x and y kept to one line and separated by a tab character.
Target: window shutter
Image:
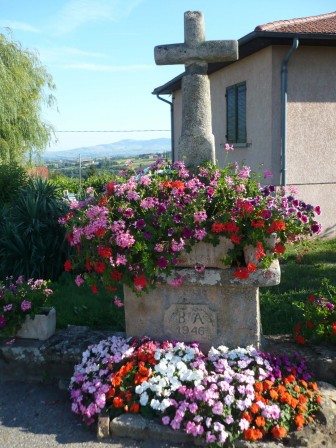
241	113
231	114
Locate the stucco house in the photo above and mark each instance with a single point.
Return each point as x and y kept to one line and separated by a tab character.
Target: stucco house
277	106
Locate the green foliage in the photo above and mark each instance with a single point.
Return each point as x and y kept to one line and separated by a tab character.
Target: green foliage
66	183
78	306
32	242
318	316
12	178
98	181
24	88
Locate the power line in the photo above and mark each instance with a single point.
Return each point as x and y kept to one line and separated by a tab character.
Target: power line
126	130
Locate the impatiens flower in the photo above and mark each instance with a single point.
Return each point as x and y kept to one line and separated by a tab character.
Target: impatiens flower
79	280
68	266
26	305
140	282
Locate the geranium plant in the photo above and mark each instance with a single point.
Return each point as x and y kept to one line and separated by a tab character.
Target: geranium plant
139	226
20	298
229	394
318	323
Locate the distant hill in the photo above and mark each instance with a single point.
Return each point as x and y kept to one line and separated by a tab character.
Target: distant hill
123	148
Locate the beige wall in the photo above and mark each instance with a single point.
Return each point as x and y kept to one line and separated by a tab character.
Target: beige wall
311	120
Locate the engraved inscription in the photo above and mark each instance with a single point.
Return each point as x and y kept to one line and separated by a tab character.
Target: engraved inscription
190	323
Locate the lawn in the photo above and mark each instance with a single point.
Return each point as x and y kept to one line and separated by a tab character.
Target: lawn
302	272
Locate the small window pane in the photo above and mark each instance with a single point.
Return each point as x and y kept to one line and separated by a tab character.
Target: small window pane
236	113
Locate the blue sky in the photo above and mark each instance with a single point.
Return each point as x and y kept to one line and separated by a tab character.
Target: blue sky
100	54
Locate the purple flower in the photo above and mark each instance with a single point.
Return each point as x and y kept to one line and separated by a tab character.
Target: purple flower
26	305
2	321
162	262
187	233
218	408
268	174
330	306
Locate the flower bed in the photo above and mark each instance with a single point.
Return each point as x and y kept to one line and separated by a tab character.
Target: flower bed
20	299
225	396
138	228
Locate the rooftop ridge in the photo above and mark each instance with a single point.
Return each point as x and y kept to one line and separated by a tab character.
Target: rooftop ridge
278	24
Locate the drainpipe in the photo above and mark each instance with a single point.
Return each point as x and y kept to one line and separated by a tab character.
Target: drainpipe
171	125
284	72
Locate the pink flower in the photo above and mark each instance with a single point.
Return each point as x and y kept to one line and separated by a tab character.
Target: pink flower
118	302
177	281
199	234
166	420
228	147
79	280
89	190
268	174
125	240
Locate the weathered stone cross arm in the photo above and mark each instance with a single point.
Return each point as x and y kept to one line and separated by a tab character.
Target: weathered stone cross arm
209	51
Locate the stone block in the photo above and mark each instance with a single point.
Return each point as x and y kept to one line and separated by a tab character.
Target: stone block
212	308
206	254
41	327
103	427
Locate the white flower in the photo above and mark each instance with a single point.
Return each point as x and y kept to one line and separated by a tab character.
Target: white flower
144	399
155	404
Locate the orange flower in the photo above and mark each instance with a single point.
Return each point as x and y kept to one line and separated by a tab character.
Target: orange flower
302	408
303	383
116	380
254	408
118	402
303	399
313	386
281	389
274	394
260	421
297	389
267	384
299	420
252	434
294	402
318	399
289	379
247	417
258	387
279	432
251	267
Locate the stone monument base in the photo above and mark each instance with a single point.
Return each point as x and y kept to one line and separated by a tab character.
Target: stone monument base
212	308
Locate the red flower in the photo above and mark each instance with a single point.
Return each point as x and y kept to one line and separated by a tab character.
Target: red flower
260	253
100	232
140	281
276	226
279	248
94	289
334	327
256	223
103	201
69	237
311	299
300	339
104	251
134	408
309	324
118	402
116	275
67	266
235	238
242	273
88	265
251	267
99	267
110	188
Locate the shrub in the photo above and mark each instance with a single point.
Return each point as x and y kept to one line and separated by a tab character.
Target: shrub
12	178
32	242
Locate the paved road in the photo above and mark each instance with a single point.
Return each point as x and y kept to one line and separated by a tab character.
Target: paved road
39	416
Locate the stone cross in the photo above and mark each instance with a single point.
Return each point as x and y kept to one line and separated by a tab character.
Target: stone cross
197	143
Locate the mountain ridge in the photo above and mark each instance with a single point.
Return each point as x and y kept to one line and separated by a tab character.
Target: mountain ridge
121	148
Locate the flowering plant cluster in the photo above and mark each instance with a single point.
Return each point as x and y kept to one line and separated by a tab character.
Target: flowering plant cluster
18	299
139	226
229	394
319	317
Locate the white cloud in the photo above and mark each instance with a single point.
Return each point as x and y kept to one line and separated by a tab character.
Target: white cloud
107	68
19	26
76	13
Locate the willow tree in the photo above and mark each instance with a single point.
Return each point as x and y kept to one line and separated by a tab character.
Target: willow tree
25	88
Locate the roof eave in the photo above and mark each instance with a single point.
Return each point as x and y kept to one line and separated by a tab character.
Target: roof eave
249	44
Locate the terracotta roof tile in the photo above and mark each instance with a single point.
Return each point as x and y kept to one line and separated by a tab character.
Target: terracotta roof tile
323	24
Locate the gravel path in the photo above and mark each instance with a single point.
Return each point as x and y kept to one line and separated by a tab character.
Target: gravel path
39	416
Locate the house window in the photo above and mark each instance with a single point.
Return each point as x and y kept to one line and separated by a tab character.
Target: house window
236	113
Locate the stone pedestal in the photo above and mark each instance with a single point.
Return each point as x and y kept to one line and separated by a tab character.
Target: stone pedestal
41	327
212	308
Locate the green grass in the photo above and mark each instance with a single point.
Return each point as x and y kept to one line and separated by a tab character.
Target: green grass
79	306
302	272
